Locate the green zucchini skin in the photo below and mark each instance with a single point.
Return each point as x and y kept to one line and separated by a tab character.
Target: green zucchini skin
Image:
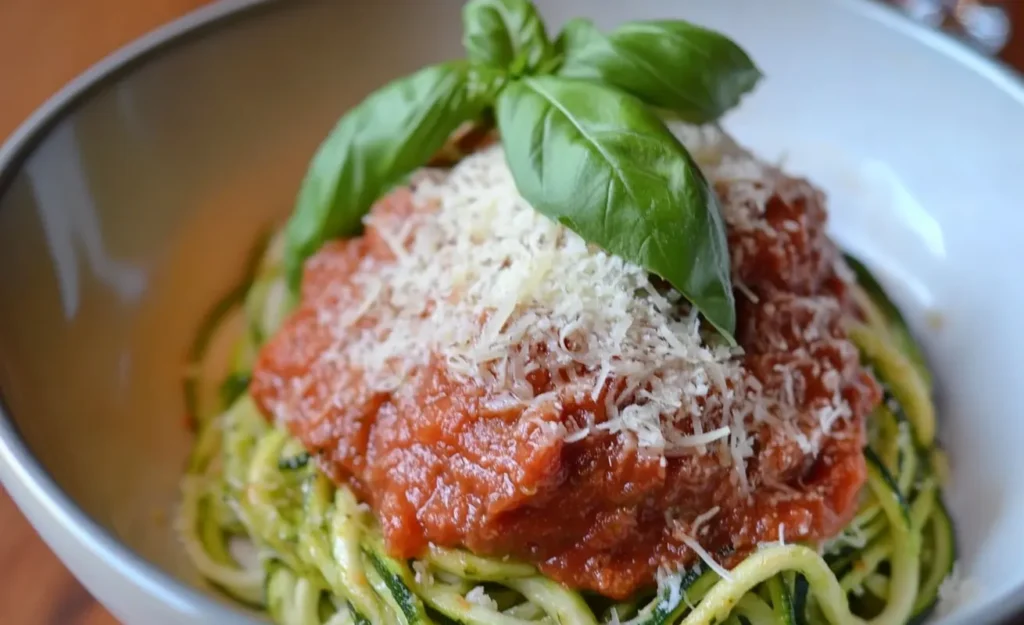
897	325
944	554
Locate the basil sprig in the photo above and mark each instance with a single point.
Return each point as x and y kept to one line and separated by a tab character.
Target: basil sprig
605	166
579	118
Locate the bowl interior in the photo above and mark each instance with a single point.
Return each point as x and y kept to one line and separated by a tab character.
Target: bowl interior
136	210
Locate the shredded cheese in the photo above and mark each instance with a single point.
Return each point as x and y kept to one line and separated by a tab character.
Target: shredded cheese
422	572
690	542
956	590
498	293
491	286
698	523
478	595
670	580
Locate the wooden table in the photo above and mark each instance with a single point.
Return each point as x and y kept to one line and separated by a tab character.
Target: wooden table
43	44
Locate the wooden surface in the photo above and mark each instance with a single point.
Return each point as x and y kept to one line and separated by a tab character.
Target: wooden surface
43	44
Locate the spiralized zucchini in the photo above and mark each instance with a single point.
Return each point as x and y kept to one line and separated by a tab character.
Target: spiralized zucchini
262	524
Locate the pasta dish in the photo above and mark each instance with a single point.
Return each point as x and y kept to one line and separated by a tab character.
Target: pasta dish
541	343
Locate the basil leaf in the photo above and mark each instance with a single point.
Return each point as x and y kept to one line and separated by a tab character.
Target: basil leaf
604	165
575	35
695	73
508	34
389	134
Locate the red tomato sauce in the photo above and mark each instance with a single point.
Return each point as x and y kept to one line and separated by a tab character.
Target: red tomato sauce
445	464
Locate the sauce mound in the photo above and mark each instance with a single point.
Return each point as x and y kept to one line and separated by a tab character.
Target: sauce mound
484	379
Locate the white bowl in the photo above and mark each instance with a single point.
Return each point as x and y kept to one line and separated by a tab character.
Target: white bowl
128	200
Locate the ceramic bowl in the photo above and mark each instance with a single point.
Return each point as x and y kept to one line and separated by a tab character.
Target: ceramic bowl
128	201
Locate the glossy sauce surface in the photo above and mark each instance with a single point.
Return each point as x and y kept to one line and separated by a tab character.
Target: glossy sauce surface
446	461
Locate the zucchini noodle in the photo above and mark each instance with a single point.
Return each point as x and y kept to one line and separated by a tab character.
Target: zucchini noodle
262	524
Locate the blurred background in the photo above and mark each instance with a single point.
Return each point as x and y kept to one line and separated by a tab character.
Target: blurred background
46	43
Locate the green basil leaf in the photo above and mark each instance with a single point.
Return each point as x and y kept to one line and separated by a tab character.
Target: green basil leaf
604	165
508	34
695	73
389	134
576	35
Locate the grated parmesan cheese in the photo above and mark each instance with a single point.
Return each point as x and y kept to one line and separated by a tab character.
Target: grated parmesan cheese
955	591
478	595
491	286
498	292
702	553
423	576
701	519
670	580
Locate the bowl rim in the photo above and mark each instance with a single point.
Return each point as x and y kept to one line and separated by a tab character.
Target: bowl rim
16	456
21	464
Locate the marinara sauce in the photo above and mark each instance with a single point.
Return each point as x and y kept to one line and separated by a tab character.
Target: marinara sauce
443	462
